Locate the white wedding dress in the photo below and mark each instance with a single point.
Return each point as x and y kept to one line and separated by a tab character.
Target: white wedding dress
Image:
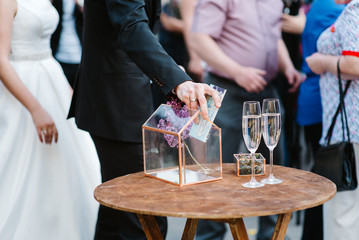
46	191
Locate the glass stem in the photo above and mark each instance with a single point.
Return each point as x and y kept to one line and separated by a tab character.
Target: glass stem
252	159
271	162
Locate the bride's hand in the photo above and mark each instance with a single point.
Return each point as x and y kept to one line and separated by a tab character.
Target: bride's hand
45	126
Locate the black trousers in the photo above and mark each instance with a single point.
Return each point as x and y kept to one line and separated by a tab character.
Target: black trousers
70	71
119	158
313	218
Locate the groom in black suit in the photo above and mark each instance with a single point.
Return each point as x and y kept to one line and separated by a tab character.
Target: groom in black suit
112	94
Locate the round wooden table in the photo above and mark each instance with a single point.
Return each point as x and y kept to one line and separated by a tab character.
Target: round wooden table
224	200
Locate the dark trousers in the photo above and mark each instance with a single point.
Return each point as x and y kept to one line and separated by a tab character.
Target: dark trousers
229	119
313	217
119	158
70	71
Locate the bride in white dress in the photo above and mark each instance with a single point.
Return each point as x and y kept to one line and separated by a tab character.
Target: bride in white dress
46	188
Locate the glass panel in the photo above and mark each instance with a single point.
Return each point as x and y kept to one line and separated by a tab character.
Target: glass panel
201	161
170	118
181	147
243	164
159	155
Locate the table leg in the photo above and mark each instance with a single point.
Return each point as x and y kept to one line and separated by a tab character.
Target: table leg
281	226
150	227
238	229
190	229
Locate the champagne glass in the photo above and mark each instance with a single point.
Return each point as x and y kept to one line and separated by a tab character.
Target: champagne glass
251	129
271	132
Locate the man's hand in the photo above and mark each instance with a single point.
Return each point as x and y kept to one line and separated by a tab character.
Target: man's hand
251	79
294	78
193	94
286	66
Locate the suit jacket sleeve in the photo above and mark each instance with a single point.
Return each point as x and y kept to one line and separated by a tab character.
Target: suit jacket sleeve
136	39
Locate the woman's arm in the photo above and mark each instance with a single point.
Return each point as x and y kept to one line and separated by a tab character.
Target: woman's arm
171	24
187	12
349	67
294	24
320	63
43	121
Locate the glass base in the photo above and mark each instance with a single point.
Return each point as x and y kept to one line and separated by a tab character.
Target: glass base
271	180
253	184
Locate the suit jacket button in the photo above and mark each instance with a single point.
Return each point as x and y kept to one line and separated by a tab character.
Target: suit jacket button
158	81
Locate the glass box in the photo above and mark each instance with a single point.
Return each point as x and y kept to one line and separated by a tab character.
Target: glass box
243	164
181	146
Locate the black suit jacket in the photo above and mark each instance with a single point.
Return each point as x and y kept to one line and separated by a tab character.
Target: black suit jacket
112	94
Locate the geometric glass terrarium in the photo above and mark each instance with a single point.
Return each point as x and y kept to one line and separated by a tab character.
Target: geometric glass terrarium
243	164
181	146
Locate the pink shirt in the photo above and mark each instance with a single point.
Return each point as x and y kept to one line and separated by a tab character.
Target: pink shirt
246	30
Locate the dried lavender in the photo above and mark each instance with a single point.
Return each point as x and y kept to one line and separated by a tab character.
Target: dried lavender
173	121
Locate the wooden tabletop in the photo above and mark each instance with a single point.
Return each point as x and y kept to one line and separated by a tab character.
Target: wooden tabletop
221	199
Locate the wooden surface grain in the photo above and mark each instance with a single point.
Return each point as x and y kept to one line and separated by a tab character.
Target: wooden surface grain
223	199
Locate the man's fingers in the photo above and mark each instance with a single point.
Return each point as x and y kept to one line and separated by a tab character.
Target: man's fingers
285	17
215	96
203	105
259	84
194	95
193	103
261	72
295	86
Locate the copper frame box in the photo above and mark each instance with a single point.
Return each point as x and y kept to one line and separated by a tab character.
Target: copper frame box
182	147
243	164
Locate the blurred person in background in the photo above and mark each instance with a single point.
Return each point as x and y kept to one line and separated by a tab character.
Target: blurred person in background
170	32
66	40
339	44
195	64
172	35
321	15
241	43
293	21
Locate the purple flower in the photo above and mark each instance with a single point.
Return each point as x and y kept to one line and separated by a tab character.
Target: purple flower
174	121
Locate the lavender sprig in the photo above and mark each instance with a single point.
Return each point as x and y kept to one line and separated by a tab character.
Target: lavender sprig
173	122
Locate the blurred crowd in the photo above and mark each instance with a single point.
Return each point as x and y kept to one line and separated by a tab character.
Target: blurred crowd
223	32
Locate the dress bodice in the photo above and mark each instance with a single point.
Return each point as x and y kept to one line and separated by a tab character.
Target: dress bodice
33	25
45	191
